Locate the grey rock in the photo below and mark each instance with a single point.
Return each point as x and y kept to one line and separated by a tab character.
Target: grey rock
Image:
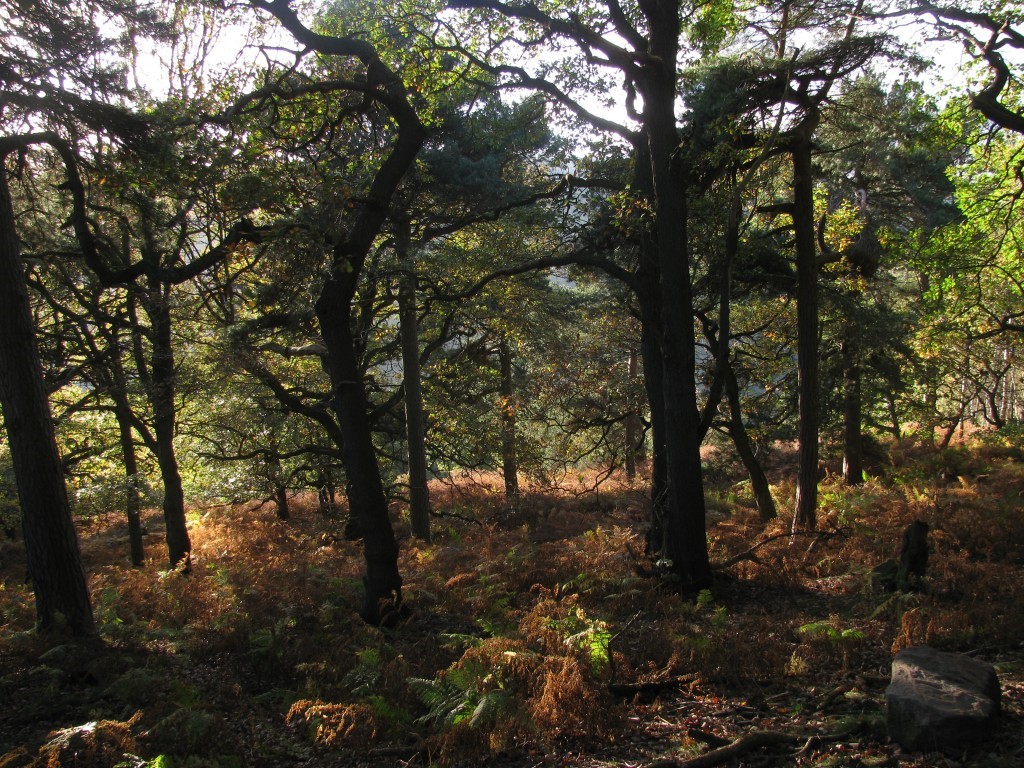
938	700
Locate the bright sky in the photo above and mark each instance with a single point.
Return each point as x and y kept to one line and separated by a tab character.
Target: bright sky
224	44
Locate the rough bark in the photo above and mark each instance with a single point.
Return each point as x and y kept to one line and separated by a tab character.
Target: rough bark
326	492
277	480
367	502
913	560
51	544
648	297
653	383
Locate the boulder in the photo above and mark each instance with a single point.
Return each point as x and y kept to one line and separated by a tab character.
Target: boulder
938	700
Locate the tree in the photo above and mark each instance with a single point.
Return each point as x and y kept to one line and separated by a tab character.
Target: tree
383	88
54	561
969	285
884	167
802	82
987	30
415	417
644	50
55	65
89	327
484	161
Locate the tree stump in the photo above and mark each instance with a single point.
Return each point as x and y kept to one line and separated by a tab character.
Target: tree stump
913	554
905	572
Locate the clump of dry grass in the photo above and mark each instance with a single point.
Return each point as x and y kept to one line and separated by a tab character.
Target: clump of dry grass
504	691
93	745
335	725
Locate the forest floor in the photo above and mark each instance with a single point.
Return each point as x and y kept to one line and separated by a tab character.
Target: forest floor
536	635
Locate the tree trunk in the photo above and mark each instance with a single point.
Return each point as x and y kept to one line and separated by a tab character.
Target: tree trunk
51	544
415	419
509	458
738	432
123	414
162	395
895	426
334	311
648	297
132	505
686	534
994	408
654	384
720	337
853	448
633	448
948	432
281	502
805	514
280	488
368	505
326	492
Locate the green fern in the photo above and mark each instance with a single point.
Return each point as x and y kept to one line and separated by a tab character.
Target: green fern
493	707
469	693
832	634
388	712
447	704
462	639
363	678
705	599
586	634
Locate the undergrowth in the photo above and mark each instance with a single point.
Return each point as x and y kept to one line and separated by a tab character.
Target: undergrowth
534	631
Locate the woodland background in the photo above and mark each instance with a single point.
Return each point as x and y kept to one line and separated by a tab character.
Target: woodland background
436	382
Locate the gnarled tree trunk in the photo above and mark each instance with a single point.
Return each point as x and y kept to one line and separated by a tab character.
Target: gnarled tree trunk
367	503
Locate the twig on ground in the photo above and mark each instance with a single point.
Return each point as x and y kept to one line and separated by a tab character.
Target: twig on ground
754	740
651	688
457	516
748	554
832	695
711	739
749	742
